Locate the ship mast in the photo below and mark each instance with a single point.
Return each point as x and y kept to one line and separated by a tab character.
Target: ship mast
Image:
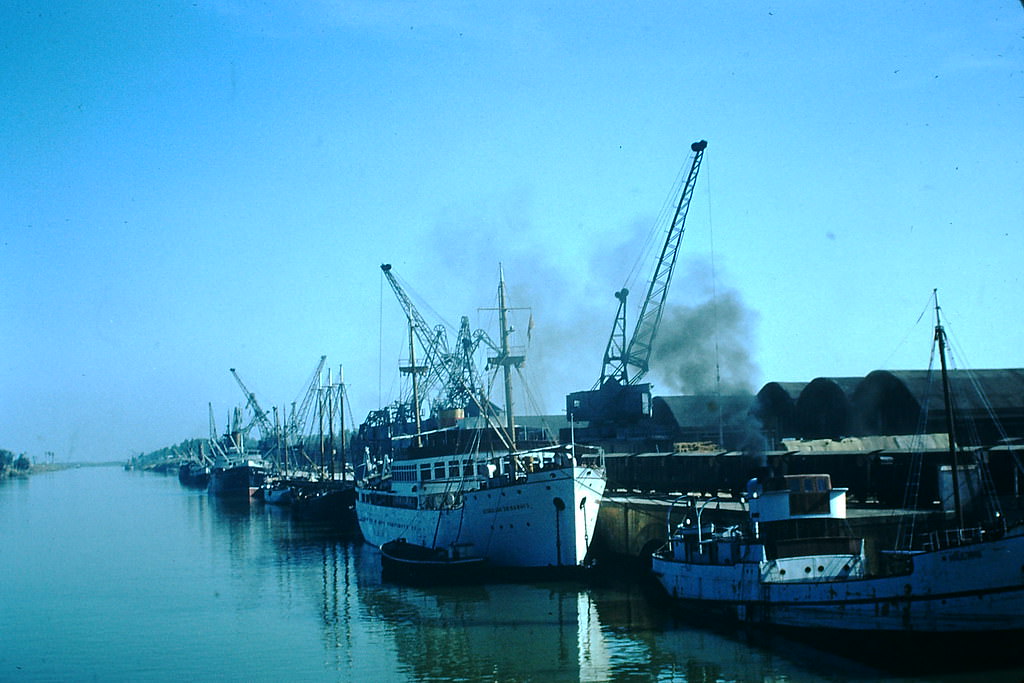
414	370
330	422
341	412
940	337
510	422
506	360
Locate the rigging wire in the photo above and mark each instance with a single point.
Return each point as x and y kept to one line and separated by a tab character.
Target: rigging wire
380	344
905	533
966	419
660	226
928	306
970	424
714	313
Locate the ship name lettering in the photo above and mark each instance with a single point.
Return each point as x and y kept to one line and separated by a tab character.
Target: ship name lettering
506	508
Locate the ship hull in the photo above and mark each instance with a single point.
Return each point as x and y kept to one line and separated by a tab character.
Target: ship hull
545	520
971	588
194	475
239	481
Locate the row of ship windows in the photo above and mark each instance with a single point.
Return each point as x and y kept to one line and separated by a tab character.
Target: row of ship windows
438	470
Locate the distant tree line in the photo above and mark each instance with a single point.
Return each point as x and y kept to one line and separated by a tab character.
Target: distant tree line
187	449
9	464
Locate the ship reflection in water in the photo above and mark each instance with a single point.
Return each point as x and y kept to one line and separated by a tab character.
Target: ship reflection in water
558	631
605	628
161	582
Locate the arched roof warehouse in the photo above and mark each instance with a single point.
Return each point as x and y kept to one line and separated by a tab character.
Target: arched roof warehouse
891	402
775	407
823	408
885	403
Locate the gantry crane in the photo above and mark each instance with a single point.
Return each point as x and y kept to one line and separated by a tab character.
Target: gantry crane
619	394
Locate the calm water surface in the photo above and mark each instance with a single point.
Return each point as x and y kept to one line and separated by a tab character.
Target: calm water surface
110	575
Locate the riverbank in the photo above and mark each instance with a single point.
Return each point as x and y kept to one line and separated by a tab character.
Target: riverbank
11	473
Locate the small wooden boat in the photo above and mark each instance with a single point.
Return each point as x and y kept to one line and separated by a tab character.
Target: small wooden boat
277	493
404	561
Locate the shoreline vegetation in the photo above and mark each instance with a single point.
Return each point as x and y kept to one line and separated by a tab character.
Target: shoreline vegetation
20	466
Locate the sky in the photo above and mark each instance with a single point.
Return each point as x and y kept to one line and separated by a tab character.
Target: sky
190	187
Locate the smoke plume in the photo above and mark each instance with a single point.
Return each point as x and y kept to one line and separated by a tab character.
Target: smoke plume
706	348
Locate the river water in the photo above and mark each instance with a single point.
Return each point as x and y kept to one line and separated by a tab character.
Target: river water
107	575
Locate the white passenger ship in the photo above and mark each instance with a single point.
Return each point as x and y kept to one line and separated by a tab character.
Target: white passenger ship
465	490
470	505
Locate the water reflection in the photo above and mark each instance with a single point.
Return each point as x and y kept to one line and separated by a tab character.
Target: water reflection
600	631
607	628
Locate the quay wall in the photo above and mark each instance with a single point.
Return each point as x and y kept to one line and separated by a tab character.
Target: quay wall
634	525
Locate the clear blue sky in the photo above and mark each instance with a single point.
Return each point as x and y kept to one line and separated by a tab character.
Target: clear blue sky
188	187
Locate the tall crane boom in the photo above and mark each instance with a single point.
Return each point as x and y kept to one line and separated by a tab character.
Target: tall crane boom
453	367
638	353
433	340
618	394
260	418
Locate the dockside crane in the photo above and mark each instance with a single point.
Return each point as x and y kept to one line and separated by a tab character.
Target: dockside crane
462	379
619	393
260	419
453	368
433	340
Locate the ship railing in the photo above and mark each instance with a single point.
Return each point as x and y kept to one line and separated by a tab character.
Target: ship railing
952	538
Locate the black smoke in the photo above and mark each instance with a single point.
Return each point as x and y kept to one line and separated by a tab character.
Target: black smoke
707	347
